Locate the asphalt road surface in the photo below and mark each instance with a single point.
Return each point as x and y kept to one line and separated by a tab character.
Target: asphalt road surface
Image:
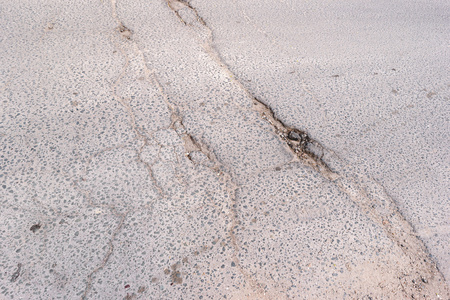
224	149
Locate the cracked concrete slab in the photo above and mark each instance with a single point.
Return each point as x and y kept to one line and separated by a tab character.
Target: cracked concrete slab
223	150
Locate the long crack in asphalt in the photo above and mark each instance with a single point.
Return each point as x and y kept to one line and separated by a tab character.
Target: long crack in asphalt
381	208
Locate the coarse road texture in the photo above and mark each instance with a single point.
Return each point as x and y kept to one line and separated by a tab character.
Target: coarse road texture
224	149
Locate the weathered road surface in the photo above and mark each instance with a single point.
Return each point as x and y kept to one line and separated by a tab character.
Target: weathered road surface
224	149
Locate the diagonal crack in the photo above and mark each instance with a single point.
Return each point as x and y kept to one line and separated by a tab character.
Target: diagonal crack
298	141
176	5
379	205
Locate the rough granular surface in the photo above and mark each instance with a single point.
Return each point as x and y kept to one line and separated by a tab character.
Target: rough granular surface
224	150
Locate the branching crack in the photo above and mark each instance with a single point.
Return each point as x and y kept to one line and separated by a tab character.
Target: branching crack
107	256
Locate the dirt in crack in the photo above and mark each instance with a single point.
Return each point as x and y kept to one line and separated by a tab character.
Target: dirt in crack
298	140
124	31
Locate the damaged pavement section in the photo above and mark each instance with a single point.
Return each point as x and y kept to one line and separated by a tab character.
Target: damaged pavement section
141	167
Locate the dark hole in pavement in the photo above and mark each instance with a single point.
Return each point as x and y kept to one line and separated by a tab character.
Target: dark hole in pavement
35	227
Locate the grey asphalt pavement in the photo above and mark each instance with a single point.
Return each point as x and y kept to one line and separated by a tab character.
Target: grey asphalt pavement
224	149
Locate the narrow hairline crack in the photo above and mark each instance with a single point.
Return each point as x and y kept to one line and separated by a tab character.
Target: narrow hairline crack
106	257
